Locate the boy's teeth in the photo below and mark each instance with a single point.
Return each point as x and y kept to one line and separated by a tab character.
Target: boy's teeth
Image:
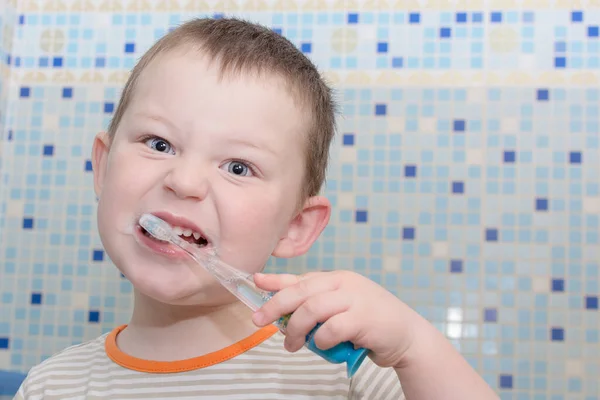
179	231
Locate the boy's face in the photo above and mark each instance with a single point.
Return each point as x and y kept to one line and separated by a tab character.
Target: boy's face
225	156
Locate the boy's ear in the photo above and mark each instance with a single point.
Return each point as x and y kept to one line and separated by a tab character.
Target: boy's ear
99	159
305	228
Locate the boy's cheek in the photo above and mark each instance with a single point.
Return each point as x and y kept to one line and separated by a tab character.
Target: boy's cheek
247	243
247	255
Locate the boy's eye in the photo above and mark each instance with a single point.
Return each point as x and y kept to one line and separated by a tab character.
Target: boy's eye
238	168
160	145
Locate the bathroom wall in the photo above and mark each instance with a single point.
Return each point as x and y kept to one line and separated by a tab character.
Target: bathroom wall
9	381
7	15
465	175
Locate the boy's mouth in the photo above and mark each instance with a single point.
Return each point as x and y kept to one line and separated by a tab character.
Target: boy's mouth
180	226
188	235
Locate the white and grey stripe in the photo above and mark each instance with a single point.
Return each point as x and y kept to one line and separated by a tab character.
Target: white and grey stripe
264	372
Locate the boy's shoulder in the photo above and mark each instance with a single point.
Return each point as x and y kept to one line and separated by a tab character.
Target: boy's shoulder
64	363
74	354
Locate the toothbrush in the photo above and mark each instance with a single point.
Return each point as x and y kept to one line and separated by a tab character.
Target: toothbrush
242	286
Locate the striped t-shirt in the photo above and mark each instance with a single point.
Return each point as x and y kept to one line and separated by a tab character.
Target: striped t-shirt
257	367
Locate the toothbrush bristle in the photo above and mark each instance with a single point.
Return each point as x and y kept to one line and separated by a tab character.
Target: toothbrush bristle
156	227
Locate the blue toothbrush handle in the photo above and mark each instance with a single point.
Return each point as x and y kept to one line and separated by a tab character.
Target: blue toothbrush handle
344	352
340	353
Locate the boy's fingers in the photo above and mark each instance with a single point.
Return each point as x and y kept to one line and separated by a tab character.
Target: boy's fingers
337	329
277	282
318	308
290	298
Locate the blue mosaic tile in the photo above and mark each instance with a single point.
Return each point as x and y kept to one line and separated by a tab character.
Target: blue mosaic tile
490	315
361	216
98	255
557	334
591	302
456	266
505	382
558	285
36	298
67	92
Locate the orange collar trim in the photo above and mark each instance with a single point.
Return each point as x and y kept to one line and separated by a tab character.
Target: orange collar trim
190	364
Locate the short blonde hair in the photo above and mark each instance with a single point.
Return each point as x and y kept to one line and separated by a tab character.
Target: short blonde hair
240	46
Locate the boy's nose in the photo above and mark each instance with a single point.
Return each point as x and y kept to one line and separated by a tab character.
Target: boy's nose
188	179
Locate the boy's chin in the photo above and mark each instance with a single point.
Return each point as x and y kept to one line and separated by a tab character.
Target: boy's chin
210	295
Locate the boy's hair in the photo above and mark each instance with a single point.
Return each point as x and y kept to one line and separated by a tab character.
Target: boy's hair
244	47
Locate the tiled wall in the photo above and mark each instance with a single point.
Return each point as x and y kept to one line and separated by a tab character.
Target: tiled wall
7	15
8	382
466	175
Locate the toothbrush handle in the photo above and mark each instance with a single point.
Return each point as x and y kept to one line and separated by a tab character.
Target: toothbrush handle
340	353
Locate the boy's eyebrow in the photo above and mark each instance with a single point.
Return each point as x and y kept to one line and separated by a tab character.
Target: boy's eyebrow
238	141
156	117
247	143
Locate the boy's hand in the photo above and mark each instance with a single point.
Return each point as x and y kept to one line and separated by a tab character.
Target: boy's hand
351	308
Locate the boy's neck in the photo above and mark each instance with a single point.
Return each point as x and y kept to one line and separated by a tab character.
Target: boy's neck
162	332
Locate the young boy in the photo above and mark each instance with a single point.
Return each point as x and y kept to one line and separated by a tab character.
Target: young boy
223	130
